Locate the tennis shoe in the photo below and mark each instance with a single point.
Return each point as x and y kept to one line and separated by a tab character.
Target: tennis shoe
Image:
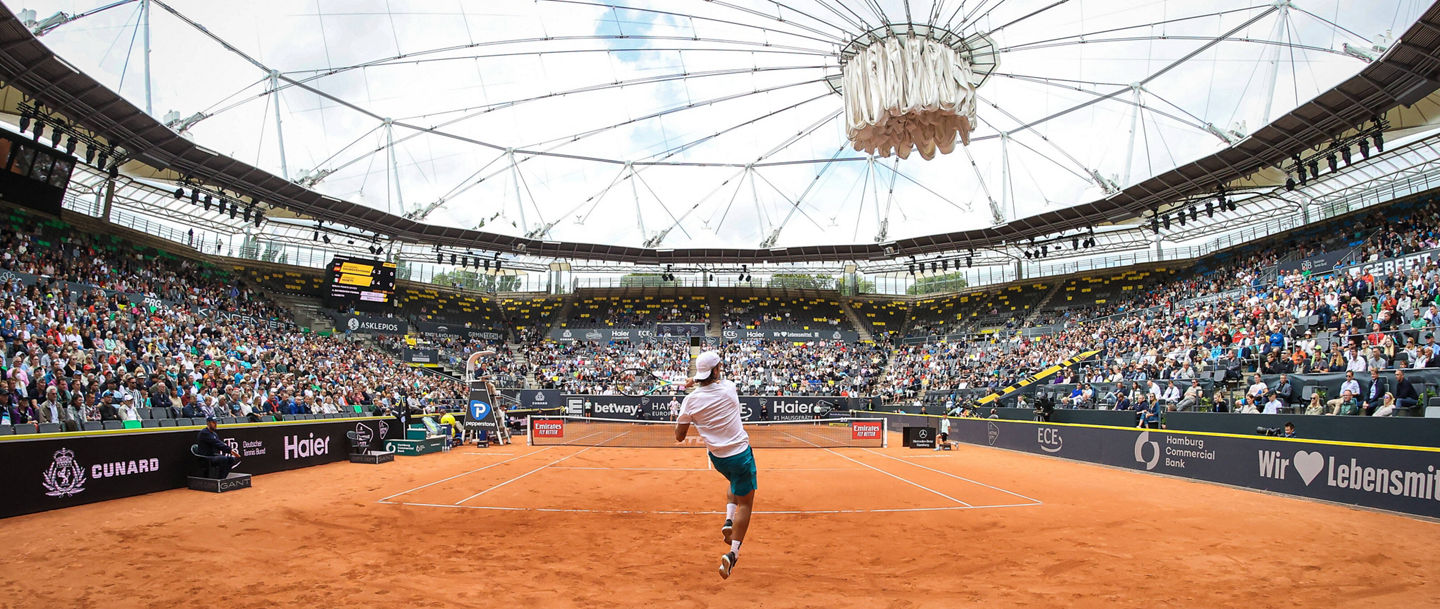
727	562
727	530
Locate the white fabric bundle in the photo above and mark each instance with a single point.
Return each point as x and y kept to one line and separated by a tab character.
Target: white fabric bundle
906	93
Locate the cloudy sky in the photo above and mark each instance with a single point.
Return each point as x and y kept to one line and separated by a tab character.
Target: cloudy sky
692	92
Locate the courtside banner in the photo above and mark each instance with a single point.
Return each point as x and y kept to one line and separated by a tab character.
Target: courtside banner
866	430
752	408
54	472
547	428
541	399
480	414
1377	476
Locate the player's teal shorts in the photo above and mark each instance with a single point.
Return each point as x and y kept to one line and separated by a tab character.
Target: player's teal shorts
739	470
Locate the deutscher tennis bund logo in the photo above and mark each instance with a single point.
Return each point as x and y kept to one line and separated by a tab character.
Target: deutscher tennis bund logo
65	477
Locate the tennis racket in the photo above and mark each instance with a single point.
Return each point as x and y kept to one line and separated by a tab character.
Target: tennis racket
641	381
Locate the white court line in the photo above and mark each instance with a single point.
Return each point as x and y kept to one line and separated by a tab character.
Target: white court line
520	476
902	479
541	467
483	454
386	499
959	477
696	469
947	508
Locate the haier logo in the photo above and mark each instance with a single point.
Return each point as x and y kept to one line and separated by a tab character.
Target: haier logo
1050	440
304	448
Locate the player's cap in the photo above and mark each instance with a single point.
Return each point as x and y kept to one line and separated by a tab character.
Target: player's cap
706	363
209	419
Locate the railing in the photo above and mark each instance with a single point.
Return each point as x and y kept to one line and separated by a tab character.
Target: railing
1416	179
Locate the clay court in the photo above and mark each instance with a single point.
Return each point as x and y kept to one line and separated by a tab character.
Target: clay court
566	526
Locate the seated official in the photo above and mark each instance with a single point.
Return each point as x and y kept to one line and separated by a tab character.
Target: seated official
216	451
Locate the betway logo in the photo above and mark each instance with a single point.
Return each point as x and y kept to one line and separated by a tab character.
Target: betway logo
1352	475
302	448
623	409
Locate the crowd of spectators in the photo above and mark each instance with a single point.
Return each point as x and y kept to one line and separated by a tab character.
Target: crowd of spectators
77	349
595	368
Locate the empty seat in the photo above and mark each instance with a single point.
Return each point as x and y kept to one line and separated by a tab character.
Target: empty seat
51	428
93	426
7	430
24	428
114	424
149	423
166	422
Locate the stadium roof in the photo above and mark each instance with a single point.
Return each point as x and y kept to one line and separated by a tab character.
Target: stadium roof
1406	70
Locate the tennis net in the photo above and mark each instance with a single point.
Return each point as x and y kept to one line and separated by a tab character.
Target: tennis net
809	433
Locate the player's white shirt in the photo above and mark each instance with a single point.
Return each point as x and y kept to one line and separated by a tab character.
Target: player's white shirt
714	410
945	426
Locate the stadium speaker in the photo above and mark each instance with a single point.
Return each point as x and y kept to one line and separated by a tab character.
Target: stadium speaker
1364	148
207	203
1074	243
497	266
39	131
452	258
1167	222
487	265
70	145
1289	184
934	267
55	138
969	262
1332	162
1345	155
1155	223
1181	217
179	193
89	155
1314	169
912	266
325	238
1194	213
24	122
1379	142
194	197
1209	209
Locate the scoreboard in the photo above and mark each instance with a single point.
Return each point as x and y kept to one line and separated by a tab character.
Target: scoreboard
359	281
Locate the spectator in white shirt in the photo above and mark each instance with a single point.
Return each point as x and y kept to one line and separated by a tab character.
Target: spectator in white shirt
1350	385
1273	405
1257	390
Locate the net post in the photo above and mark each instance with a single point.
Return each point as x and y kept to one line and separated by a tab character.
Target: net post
529	425
884	432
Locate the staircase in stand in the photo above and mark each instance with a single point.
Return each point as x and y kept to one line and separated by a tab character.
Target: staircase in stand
717	317
305	310
859	324
517	354
564	314
1040	306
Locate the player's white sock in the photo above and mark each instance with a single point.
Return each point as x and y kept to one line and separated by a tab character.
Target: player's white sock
735	548
729	511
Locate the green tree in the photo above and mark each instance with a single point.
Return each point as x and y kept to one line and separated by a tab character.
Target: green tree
802	281
471	280
641	280
931	284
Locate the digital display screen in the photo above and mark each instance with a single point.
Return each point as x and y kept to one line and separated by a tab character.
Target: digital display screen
357	280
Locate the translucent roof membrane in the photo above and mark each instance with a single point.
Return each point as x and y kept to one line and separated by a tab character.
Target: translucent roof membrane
686	123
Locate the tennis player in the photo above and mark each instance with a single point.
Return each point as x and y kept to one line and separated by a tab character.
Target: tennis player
714	409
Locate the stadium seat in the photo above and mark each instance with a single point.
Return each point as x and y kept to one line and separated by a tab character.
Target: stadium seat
149	423
166	422
114	424
7	430
93	426
51	428
24	428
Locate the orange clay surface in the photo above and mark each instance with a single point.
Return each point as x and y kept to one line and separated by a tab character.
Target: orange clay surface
520	526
